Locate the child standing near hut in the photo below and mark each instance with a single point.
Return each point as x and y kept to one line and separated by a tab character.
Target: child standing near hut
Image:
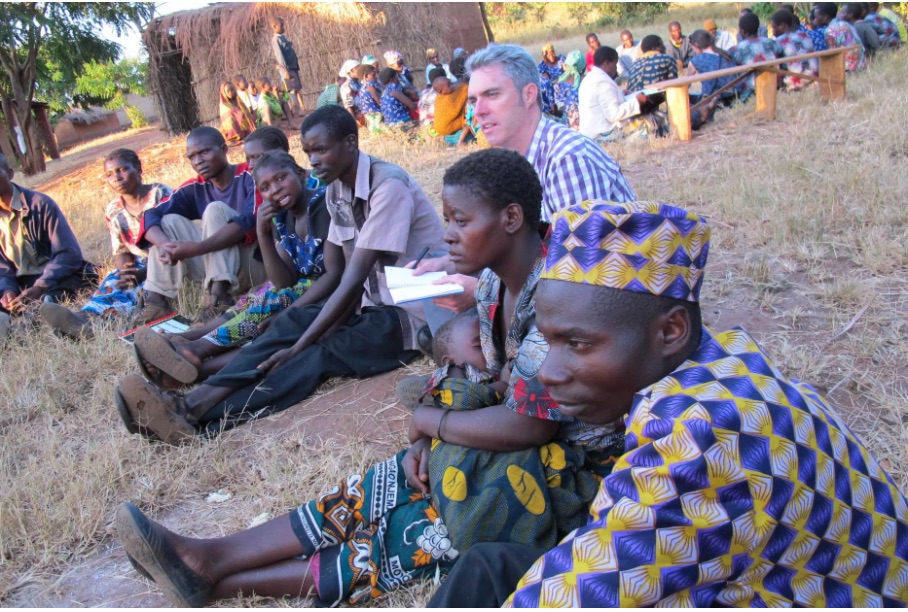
287	63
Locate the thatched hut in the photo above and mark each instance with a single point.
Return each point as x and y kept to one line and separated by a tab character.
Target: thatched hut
192	52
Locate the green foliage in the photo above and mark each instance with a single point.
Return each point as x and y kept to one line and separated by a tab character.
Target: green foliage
583	14
111	81
137	117
764	10
43	45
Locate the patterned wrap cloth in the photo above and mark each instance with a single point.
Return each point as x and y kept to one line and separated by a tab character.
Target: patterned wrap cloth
534	496
737	487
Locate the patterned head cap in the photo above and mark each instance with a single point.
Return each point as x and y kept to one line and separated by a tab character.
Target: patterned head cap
369	59
636	246
393	57
710	24
548	48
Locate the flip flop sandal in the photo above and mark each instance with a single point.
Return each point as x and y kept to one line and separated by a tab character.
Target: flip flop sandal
145	543
159	352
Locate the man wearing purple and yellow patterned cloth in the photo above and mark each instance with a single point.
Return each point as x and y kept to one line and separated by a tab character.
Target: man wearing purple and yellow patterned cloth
738	487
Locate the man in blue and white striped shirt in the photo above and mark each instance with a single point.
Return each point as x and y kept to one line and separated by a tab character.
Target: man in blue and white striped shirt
504	89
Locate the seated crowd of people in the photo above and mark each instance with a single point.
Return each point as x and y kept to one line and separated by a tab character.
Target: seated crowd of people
584	440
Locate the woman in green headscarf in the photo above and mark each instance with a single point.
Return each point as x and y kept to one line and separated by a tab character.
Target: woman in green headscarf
566	88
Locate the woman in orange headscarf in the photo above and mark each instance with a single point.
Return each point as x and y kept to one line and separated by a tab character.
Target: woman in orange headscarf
237	121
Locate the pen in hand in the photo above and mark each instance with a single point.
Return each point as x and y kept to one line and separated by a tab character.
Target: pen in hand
424	252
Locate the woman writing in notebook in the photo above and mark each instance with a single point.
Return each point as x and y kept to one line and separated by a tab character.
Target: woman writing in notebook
302	268
379	530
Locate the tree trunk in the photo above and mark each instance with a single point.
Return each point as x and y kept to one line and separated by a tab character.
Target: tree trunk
485	22
46	132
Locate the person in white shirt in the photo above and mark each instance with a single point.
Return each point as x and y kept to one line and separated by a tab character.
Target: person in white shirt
724	39
627	52
606	113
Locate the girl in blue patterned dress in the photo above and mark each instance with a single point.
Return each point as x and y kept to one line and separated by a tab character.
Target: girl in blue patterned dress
369	98
395	104
294	214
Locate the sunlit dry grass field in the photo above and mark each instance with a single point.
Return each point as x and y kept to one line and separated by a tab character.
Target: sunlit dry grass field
810	227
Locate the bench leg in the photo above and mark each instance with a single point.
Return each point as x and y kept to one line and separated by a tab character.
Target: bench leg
832	77
766	87
678	102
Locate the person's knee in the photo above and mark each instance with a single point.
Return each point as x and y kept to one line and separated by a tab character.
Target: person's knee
174	226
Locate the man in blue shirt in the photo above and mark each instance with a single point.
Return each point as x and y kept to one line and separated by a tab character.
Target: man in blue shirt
40	258
223	198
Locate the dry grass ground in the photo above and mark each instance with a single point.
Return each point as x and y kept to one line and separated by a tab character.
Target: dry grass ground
809	251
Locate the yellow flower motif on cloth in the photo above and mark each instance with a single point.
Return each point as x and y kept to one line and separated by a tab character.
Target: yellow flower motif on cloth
882	540
840	524
849	564
716	569
808	590
800	550
594	551
798	509
861	492
773	600
722	464
803	426
641	586
552	455
678	447
745	536
703	508
696	412
602	501
653	488
783	456
736	342
560	592
839	448
737	595
454	484
526	489
825	468
896	584
755	418
864	598
628	515
676	546
678	600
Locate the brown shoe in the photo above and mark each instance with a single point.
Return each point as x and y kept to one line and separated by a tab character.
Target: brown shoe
75	325
211	310
154	411
150	311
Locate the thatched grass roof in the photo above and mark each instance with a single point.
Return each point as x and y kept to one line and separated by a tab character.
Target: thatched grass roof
223	39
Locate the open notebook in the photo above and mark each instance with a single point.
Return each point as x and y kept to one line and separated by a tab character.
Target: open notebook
405	287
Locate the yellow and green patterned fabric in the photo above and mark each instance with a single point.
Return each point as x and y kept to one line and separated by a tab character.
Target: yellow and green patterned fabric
737	487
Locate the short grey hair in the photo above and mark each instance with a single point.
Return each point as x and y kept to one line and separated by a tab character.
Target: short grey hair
519	65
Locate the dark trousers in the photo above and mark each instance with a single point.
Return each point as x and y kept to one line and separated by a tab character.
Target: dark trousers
485	576
368	344
66	288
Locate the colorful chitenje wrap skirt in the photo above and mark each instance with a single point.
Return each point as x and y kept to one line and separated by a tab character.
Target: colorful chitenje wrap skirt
372	533
534	496
253	308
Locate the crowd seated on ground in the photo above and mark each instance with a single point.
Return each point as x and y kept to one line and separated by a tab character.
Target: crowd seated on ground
540	406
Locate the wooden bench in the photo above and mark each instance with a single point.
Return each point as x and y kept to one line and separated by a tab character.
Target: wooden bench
831	81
